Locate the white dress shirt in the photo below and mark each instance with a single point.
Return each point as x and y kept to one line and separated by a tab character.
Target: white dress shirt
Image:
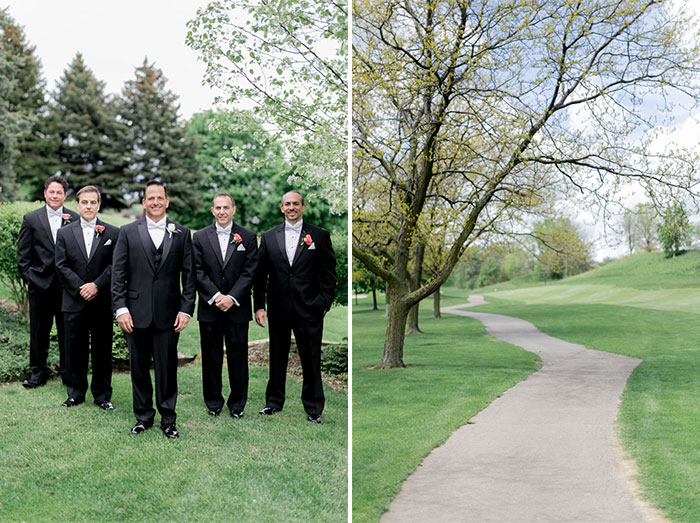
156	230
88	233
55	218
224	236
292	235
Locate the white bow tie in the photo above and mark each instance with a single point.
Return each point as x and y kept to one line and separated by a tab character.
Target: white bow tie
160	226
53	212
293	228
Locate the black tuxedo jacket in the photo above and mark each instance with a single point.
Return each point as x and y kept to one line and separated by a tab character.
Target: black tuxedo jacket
307	286
36	251
75	266
233	276
153	296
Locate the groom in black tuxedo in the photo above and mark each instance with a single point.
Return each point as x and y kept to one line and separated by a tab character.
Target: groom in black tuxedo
36	262
225	258
296	273
84	266
153	257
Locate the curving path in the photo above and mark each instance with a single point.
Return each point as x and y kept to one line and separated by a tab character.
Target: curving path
543	451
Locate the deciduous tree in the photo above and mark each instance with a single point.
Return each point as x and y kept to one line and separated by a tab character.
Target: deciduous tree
289	60
485	107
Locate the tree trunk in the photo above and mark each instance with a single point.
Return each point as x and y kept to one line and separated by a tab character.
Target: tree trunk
415	280
395	335
436	304
374	299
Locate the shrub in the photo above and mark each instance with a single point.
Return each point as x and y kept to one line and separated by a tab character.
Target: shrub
11	215
340	248
14	347
120	348
334	358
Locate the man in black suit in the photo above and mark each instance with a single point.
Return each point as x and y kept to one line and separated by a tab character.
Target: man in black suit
84	266
225	259
152	258
296	273
36	262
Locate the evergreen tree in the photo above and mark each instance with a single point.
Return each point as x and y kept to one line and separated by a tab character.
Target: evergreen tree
91	139
158	144
12	122
35	160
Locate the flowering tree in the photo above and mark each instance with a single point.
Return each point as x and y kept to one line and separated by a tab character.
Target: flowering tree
483	108
288	59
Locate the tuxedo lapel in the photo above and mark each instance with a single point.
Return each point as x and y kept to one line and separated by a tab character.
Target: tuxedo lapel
279	233
146	241
44	220
231	246
78	234
214	241
167	242
97	238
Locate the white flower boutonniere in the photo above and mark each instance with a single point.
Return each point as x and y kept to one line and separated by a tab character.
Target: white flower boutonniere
172	229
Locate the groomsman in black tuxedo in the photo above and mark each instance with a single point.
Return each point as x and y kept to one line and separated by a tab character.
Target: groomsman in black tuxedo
153	257
296	273
36	262
225	258
84	266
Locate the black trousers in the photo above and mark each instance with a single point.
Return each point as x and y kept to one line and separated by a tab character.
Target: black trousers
159	346
44	306
308	334
89	334
212	336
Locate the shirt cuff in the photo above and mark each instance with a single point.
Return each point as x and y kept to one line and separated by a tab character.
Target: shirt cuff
188	315
211	300
235	301
122	310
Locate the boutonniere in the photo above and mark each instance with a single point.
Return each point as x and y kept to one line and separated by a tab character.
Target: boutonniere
172	229
307	240
236	239
66	218
99	229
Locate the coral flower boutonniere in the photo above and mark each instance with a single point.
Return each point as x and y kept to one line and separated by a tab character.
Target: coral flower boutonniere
99	229
66	218
308	240
236	239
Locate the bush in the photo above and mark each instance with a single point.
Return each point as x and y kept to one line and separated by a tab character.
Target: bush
120	348
14	348
11	215
340	247
334	358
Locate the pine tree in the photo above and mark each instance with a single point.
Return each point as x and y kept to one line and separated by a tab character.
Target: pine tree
12	122
35	160
158	145
91	137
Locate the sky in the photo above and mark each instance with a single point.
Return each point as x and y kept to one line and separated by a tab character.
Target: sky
114	38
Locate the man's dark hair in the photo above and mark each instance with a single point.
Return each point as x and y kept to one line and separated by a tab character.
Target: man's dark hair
155	182
58	179
296	192
89	188
224	195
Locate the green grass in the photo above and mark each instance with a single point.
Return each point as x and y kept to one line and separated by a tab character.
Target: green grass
400	415
647	307
82	464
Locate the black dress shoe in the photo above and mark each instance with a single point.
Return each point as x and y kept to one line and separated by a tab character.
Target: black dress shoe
33	384
269	411
140	427
235	413
314	418
71	402
215	412
105	405
170	431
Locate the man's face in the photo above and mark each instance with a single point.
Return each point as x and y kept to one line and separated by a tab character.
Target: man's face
223	210
88	205
155	202
292	208
54	195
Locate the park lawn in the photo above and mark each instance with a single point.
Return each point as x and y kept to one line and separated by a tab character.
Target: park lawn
83	464
399	415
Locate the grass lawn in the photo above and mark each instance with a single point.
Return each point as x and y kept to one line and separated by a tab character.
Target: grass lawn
82	463
400	415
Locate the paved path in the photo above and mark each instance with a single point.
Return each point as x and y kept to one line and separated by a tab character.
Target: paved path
541	452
